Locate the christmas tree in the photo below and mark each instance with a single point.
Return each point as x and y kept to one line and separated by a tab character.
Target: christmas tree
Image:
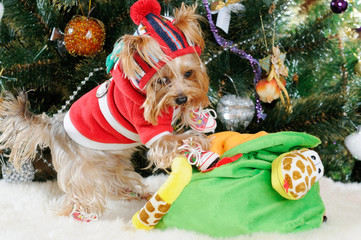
273	65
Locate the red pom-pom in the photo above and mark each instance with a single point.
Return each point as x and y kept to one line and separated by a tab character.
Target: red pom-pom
142	8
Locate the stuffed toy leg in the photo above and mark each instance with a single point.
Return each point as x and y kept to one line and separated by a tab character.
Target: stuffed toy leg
162	200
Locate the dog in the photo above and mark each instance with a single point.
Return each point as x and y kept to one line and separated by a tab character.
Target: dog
157	81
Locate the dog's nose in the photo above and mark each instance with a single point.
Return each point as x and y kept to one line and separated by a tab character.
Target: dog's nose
180	100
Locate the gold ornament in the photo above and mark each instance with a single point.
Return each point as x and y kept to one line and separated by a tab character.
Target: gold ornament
84	36
218	5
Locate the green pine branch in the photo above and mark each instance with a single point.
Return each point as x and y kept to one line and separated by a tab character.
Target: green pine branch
321	115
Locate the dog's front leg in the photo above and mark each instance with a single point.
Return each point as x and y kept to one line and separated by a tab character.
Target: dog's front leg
166	148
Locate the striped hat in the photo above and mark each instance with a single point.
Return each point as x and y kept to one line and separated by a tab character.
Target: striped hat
146	14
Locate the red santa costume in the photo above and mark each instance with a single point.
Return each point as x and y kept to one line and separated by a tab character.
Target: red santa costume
110	116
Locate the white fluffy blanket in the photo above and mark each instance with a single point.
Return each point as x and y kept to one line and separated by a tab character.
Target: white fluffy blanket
27	212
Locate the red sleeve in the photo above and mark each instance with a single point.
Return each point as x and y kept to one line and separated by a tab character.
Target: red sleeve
149	133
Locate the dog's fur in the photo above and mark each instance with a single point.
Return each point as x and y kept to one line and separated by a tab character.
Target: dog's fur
88	176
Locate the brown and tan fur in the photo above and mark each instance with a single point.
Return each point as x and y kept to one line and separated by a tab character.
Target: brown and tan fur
87	177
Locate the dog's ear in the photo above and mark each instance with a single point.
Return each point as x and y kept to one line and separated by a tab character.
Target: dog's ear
151	110
147	48
186	20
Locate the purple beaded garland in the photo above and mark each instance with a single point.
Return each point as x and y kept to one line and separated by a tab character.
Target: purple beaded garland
339	6
228	44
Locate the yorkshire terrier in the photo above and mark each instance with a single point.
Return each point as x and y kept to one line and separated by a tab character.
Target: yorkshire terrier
158	81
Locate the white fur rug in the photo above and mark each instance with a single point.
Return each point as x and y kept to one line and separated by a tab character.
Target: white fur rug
27	212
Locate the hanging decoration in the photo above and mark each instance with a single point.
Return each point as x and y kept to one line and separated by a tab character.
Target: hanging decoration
1	10
339	6
353	143
58	36
224	10
84	36
272	87
354	33
75	93
233	48
233	111
269	90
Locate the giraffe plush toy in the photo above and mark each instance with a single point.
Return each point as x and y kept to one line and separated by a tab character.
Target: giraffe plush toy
294	173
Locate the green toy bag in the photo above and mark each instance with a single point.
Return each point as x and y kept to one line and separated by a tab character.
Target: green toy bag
238	198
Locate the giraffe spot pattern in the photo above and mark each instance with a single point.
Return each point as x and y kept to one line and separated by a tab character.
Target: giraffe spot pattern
143	216
309	170
313	180
301	156
158	215
164	208
300	165
290	155
149	207
312	164
295	195
289	180
300	187
158	198
287	163
296	175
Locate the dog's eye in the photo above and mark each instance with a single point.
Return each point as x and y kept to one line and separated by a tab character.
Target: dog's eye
188	74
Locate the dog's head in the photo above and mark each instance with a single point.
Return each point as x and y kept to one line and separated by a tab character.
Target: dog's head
182	82
162	59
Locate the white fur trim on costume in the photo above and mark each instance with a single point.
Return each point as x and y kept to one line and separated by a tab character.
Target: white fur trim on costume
75	135
104	108
155	138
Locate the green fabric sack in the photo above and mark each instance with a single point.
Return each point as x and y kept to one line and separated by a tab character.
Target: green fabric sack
238	198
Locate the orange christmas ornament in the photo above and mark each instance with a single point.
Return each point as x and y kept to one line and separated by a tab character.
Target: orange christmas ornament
84	36
269	90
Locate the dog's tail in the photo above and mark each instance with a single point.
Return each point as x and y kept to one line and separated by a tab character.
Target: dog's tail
21	131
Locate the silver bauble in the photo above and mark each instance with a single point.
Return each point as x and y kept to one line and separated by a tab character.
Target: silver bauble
235	112
26	174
